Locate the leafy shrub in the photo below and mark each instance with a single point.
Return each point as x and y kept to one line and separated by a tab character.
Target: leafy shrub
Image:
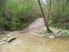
47	31
65	27
65	33
18	14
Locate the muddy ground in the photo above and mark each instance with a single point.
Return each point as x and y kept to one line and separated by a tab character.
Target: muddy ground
30	43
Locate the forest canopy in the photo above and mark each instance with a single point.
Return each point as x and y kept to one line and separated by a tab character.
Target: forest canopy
18	14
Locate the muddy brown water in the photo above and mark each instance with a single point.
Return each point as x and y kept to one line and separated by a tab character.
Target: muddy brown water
30	43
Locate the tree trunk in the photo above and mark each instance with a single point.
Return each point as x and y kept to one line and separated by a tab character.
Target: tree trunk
49	11
46	24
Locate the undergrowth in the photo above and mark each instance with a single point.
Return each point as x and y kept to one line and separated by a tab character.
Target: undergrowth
65	33
47	31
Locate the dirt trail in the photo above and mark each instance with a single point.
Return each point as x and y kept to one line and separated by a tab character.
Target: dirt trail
38	25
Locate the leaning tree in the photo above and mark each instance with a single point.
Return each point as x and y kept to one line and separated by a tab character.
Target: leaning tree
45	20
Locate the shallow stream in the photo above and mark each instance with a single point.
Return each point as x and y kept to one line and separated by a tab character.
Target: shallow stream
30	43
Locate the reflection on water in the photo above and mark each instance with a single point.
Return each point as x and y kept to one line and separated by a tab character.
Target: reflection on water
29	43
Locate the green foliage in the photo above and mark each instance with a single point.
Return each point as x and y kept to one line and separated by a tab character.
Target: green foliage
2	19
59	14
47	31
17	14
65	33
65	28
56	25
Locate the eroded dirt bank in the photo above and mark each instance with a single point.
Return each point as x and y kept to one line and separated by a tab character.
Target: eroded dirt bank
30	43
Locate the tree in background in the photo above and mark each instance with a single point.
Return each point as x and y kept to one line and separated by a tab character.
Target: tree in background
45	20
2	14
49	11
59	13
